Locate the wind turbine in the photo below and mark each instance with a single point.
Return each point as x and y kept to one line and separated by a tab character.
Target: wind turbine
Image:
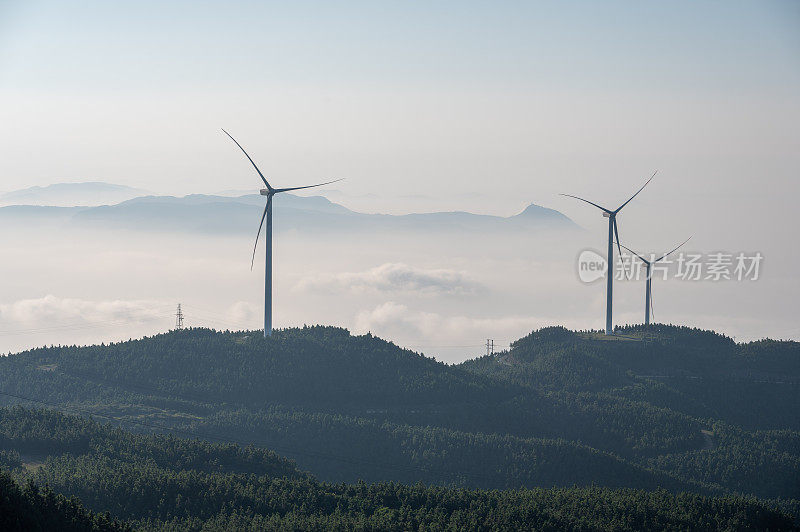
613	233
268	192
648	295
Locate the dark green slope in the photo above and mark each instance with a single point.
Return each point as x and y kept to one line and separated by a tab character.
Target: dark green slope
378	450
642	409
345	407
325	369
314	365
167	483
744	397
400	508
700	373
349	407
31	508
43	433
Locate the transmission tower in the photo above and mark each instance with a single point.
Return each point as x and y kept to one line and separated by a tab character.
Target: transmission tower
489	347
179	318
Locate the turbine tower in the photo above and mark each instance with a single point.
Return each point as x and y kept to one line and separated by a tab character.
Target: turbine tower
648	294
613	234
268	192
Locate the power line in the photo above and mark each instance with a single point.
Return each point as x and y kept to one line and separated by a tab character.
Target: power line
90	325
126	317
464	346
216	317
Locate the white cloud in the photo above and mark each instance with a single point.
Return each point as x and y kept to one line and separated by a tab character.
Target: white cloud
52	311
244	311
393	277
408	326
50	319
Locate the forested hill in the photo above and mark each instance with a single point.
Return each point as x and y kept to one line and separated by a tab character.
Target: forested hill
167	483
700	373
662	407
31	508
664	351
313	365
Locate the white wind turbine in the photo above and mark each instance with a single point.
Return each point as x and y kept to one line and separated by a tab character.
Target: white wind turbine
268	192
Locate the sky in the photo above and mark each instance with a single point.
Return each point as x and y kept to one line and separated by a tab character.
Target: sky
422	106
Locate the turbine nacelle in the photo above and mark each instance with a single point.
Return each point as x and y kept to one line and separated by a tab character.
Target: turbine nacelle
264	192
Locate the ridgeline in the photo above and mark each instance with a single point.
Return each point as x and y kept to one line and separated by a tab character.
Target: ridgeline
665	409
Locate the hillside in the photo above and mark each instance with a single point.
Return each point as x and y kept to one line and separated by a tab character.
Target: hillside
31	508
167	483
379	411
699	373
747	395
560	408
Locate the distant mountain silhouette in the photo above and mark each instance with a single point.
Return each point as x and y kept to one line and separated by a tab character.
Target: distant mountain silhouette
221	214
71	194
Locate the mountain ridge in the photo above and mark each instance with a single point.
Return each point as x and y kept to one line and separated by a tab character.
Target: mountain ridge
223	214
569	397
85	193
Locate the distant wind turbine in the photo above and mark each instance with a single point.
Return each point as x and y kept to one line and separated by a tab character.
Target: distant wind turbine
613	233
648	294
268	192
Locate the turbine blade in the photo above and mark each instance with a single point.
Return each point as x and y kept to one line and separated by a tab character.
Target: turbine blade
632	251
587	201
673	251
260	225
264	179
619	248
307	186
637	192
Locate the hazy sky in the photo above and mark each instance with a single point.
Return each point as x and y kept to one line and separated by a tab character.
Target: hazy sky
402	98
426	106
